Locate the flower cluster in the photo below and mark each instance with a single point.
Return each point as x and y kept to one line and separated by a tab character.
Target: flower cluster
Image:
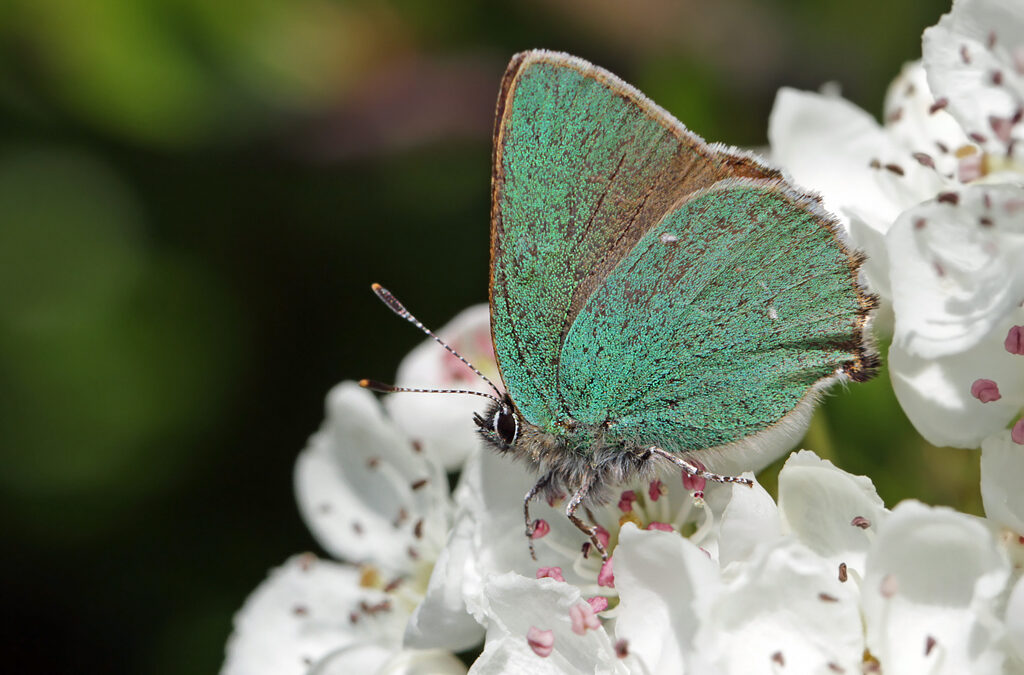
714	578
934	197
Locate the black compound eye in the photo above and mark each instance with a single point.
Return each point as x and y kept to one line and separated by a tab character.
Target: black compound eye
506	425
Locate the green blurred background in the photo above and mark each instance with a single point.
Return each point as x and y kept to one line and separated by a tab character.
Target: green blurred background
194	198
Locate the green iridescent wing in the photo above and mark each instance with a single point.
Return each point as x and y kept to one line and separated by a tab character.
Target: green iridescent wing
584	165
719	322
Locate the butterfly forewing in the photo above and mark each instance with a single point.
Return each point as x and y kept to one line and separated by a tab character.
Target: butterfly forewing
584	166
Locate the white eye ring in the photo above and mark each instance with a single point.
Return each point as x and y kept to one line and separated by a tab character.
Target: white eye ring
496	424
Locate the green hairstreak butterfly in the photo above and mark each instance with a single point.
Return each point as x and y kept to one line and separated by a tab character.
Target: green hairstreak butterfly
654	298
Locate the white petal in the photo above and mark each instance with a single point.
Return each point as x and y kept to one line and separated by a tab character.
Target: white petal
359	486
786	606
933	578
302	613
819	502
514	605
443	423
1015	623
490	493
355	658
828	144
749	520
936	393
442	619
422	662
1002	477
955	269
870	239
665	585
962	62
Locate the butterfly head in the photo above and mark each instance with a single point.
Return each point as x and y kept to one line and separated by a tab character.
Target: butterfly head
500	425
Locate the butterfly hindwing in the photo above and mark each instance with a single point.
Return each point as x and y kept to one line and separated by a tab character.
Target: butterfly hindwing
719	322
584	166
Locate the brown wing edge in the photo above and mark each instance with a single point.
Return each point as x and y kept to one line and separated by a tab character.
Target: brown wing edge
498	177
866	361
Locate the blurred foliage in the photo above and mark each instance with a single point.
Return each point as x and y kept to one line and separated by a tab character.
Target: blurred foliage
194	198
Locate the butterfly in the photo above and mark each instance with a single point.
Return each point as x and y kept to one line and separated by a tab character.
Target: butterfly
654	299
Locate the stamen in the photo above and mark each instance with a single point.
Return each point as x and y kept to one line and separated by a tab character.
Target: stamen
542	642
664	527
626	501
1017	433
655	490
622	648
550	573
985	391
540	528
843	576
939	104
861	522
1002	127
598	603
924	159
583	618
1014	342
606	577
603	537
694	483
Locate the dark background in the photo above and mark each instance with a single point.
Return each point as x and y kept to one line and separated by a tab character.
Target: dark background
194	198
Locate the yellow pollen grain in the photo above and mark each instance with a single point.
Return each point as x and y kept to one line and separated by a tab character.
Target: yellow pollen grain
965	151
369	577
630	517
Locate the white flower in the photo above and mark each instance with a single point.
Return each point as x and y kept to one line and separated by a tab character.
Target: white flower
489	536
372	497
934	197
439	421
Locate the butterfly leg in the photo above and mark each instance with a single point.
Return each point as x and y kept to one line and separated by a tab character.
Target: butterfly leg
530	525
570	512
698	471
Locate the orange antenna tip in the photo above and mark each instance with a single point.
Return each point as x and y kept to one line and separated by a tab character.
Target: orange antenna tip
374	385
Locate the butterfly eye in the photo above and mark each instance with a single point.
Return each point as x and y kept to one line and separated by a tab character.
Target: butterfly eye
506	425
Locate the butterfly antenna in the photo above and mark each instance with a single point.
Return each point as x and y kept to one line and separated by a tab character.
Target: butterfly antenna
374	385
398	308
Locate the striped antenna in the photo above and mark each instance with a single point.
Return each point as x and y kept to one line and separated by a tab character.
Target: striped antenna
398	308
